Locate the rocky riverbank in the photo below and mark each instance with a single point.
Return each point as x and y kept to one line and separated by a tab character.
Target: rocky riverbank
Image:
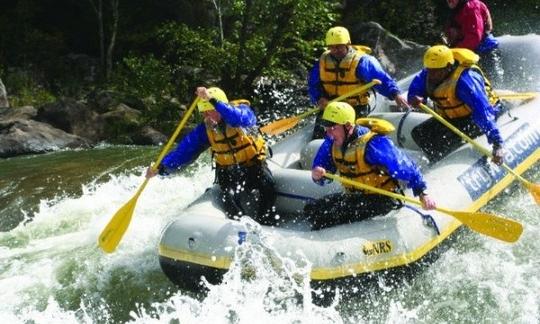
70	123
110	117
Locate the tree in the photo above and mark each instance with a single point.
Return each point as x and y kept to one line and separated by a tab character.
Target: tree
249	39
275	38
106	58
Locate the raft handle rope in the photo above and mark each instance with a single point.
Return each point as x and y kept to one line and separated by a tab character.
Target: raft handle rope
506	109
370	107
428	219
400	138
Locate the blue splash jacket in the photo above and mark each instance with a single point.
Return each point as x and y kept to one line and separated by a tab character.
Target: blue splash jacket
469	89
196	141
379	151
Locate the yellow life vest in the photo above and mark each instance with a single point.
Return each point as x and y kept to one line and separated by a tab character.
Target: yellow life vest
351	164
444	96
339	77
236	146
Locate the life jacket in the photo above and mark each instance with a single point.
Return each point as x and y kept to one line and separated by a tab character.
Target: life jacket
236	145
351	164
339	77
447	103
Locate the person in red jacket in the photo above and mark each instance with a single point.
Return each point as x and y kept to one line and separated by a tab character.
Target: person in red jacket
469	26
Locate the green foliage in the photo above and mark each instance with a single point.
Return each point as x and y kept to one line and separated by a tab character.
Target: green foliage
516	17
193	56
24	90
256	42
144	76
283	45
166	48
150	79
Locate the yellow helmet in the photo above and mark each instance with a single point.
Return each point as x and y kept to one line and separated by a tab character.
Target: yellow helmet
437	57
216	93
339	113
337	36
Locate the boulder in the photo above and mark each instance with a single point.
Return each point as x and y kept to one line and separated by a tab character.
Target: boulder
25	112
3	95
149	136
26	136
103	101
399	57
72	117
121	123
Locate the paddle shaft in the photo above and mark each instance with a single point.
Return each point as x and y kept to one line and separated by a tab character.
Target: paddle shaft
469	140
353	92
279	126
491	225
517	96
373	189
114	231
173	137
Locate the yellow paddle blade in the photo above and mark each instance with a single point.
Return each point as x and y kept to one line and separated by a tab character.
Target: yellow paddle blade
534	189
498	227
280	126
114	231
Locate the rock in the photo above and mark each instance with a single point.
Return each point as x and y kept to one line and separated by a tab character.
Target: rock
25	112
72	117
4	102
121	123
20	136
149	136
103	101
399	57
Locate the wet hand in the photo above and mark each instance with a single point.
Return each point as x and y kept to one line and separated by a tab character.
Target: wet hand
202	93
322	103
150	172
401	102
428	203
416	101
317	173
497	155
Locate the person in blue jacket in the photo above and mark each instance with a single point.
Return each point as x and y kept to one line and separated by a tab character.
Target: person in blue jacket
344	67
239	151
462	95
365	155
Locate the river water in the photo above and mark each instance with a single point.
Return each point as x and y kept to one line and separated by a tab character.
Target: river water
53	207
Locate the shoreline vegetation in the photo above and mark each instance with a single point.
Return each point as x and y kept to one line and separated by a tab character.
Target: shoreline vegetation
74	74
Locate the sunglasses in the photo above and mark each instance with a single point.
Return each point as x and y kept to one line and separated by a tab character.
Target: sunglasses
330	127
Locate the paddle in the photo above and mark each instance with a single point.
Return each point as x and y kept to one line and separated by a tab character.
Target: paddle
498	227
517	96
279	126
533	188
117	226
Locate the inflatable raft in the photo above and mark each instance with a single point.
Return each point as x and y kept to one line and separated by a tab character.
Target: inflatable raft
202	241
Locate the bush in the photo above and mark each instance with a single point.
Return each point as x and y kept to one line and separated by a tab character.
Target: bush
24	90
151	80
